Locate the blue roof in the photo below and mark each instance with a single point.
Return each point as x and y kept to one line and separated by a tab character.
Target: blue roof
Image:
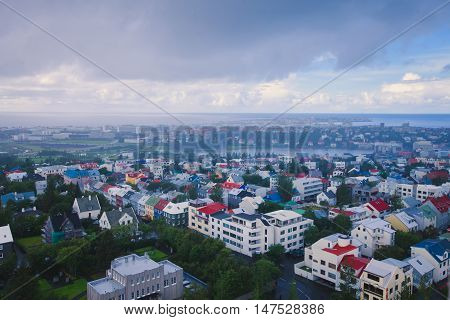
435	247
16	197
273	196
76	173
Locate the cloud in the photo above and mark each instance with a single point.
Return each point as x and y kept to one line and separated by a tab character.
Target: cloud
411	77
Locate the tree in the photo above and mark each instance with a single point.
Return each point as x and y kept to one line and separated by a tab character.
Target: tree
343	195
293	293
406	291
264	272
216	193
22	286
269	206
405	240
396	202
192	193
343	224
347	285
275	253
285	188
389	252
70	258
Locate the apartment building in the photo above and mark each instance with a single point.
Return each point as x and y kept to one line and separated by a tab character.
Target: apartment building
252	234
325	256
135	277
385	280
308	188
374	233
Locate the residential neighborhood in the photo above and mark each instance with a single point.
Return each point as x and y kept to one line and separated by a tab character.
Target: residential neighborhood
370	226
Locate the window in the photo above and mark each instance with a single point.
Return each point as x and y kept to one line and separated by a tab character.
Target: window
331	266
396	277
322	262
322	272
372	277
132	295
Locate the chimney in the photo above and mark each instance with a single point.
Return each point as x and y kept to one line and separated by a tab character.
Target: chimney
120	209
90	198
34	208
23	209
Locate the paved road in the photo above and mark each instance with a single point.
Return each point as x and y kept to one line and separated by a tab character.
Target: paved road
306	289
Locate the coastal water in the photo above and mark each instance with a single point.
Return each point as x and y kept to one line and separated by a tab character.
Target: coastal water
17	119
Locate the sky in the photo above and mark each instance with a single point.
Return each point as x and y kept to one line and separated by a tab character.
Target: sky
224	56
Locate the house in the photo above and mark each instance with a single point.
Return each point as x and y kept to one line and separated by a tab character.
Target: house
6	243
62	227
356	214
141	205
436	252
134	177
378	208
150	207
385	280
200	213
176	214
17	197
328	196
422	271
441	206
235	197
323	258
15	175
119	217
410	202
40	185
401	221
236	178
159	208
136	277
50	170
364	192
251	204
80	177
87	207
374	233
424	216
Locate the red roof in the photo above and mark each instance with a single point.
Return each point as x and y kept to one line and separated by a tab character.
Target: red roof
344	212
441	203
356	263
230	185
212	208
161	204
380	205
338	250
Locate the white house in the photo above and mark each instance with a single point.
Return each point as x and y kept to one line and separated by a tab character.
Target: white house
328	197
435	252
118	217
374	233
385	280
251	204
16	175
325	256
87	207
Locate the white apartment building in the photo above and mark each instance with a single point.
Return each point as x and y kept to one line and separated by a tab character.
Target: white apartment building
374	233
251	234
385	280
45	171
325	256
308	188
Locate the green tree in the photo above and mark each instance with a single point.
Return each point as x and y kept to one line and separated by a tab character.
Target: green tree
343	195
265	271
285	188
389	252
342	224
396	203
22	285
293	293
269	206
347	285
192	193
216	193
275	253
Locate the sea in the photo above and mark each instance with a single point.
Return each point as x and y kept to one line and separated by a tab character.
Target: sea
33	119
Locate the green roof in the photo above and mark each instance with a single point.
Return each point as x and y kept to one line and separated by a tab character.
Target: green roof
299	211
152	201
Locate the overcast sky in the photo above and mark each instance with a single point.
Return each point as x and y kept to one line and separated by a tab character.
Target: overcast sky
224	56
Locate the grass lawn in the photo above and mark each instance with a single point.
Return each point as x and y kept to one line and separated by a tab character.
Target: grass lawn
70	291
30	242
153	253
